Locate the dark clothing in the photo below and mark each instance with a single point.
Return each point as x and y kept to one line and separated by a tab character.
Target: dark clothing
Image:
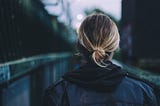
91	85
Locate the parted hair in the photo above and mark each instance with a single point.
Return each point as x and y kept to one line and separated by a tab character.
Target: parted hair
99	35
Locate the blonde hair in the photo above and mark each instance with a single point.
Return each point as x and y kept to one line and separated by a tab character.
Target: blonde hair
99	35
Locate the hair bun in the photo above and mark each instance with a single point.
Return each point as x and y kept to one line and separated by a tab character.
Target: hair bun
98	55
99	52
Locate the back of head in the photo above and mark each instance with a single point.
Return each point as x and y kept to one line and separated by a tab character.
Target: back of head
99	35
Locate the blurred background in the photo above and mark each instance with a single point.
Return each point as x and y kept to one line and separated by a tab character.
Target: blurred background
38	42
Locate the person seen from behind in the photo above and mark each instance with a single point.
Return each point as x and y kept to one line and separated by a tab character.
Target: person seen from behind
99	82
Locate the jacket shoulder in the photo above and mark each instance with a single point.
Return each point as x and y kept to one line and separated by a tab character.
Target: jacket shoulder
141	86
57	86
53	94
140	82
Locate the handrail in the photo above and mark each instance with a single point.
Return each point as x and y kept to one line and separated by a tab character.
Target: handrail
13	69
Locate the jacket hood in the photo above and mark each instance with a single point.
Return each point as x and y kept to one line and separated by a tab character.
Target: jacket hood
97	78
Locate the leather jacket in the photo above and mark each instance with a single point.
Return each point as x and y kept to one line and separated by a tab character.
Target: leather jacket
91	85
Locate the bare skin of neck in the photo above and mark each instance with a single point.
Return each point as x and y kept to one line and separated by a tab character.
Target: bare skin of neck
111	56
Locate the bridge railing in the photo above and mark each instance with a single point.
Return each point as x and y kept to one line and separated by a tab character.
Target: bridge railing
23	81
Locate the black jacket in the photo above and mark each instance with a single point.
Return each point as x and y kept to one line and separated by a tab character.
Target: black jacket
91	85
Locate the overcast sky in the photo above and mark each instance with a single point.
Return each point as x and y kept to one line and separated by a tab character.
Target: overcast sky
77	7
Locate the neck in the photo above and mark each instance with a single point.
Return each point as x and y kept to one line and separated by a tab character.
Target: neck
111	56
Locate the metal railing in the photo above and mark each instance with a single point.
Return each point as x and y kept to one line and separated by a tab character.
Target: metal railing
22	82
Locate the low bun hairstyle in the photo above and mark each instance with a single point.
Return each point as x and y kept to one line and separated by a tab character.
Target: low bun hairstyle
99	35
